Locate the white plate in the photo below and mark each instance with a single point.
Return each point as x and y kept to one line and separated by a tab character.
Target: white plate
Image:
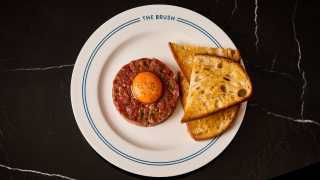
166	149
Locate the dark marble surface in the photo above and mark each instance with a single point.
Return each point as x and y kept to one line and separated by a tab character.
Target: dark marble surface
39	43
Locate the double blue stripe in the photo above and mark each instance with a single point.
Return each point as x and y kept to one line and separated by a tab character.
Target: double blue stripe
93	126
203	31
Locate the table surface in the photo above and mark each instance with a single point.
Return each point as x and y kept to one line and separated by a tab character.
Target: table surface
39	137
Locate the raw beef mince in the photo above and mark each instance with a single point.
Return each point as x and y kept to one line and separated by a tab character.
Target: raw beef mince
135	111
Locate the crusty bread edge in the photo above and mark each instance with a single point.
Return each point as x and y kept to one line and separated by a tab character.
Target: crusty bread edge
230	105
217	134
176	57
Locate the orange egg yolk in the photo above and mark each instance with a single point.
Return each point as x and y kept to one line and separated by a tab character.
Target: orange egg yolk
146	87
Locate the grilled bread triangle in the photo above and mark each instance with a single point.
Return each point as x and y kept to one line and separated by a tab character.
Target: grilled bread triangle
211	125
183	54
215	84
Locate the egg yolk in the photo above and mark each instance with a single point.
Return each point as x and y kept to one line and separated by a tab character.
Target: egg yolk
146	87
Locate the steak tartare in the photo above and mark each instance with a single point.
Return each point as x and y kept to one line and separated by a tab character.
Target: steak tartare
140	112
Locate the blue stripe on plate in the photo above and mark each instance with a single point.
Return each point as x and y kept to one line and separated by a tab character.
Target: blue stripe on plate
93	126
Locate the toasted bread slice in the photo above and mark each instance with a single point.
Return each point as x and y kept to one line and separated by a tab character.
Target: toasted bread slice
183	54
211	125
216	84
